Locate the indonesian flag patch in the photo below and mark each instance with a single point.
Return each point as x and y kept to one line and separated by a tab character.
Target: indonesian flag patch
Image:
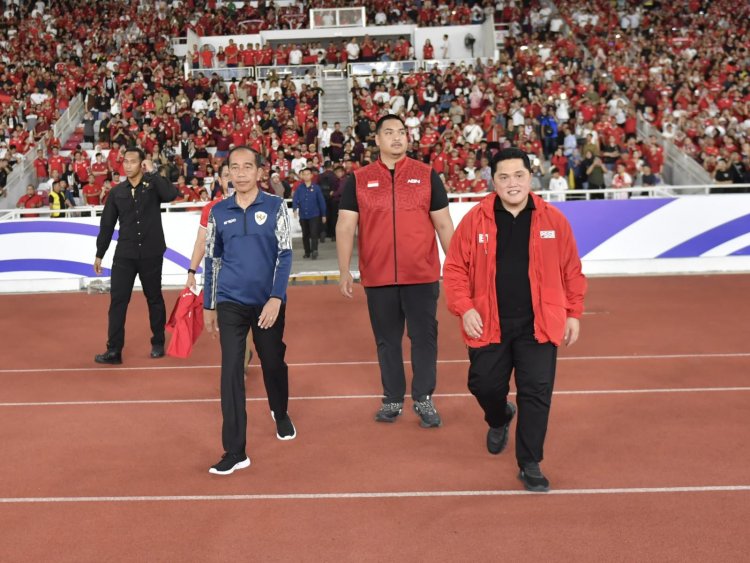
373	184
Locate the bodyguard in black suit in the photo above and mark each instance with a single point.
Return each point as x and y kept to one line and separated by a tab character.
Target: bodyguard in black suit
136	203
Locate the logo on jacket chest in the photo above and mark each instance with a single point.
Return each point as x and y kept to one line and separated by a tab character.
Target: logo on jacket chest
260	217
414	181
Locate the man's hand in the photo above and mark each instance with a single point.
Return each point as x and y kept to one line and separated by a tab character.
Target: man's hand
210	322
270	313
323	219
346	283
473	325
190	282
148	166
572	330
98	266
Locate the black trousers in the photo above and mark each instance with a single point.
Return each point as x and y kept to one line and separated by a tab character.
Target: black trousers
489	381
124	271
310	234
235	321
390	307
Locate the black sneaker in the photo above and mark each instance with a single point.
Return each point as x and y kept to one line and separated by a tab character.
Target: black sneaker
389	412
532	478
157	351
306	256
285	429
229	463
429	417
315	255
497	438
110	357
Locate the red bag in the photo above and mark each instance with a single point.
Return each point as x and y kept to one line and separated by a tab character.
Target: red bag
185	323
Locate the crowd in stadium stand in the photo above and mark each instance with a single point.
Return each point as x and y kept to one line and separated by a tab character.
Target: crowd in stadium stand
685	66
575	110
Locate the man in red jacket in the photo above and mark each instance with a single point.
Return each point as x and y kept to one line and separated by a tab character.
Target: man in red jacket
513	275
398	203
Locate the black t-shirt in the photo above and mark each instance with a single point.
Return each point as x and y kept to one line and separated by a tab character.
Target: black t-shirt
438	197
512	275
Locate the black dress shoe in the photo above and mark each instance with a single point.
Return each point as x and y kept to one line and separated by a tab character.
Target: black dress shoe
111	357
157	351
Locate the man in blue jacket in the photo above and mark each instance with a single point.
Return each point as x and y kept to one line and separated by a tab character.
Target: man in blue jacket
310	206
247	266
549	130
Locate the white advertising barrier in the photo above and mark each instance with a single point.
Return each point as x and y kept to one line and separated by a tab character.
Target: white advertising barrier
58	254
638	236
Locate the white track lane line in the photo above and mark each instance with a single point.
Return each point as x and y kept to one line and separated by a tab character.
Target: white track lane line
374	363
354	397
377	495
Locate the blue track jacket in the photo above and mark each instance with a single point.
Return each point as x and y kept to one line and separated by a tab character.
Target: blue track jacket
309	200
248	252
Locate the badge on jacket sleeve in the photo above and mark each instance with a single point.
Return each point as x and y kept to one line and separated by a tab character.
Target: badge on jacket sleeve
547	234
260	217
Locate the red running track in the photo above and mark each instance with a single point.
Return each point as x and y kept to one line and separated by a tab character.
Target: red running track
647	450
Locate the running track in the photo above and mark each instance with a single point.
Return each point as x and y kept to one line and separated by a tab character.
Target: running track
647	450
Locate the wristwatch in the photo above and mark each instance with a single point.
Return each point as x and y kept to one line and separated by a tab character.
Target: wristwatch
191	271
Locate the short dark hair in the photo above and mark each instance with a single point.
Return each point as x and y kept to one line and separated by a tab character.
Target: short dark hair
259	160
388	117
510	153
139	152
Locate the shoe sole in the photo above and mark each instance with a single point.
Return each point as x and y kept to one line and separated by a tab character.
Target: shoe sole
390	419
532	488
107	363
239	465
507	439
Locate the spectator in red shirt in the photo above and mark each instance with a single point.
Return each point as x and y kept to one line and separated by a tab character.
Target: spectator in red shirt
56	162
92	193
30	200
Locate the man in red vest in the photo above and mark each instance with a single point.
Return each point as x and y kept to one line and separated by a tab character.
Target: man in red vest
398	203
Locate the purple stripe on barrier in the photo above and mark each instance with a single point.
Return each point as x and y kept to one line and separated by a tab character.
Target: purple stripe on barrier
45	265
596	221
741	252
73	228
710	239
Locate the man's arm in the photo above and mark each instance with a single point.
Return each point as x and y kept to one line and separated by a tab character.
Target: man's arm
106	228
443	223
321	203
167	192
199	250
346	226
575	284
212	264
284	252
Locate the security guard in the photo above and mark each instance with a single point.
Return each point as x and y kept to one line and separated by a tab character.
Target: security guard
136	203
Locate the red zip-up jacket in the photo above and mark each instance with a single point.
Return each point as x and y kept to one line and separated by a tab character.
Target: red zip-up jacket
397	243
557	283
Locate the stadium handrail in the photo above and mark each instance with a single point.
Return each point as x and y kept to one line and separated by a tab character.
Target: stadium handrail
661	191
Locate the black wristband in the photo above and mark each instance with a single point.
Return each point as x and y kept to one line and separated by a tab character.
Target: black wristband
191	271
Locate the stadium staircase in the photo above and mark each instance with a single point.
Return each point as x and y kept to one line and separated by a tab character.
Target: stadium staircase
336	102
